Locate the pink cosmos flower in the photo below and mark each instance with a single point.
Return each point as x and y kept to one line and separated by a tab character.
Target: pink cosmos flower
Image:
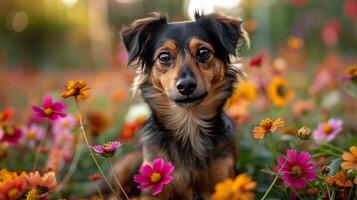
154	177
10	134
51	110
106	150
33	134
328	131
297	170
64	124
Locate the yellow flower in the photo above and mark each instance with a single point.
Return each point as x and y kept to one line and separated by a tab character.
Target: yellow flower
32	195
279	92
267	125
246	91
238	189
350	159
76	89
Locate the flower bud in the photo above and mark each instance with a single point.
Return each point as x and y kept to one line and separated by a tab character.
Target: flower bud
325	170
304	133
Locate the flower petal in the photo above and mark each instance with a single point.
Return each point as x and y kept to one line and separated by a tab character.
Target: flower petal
37	109
146	170
258	133
167	179
157	165
167	169
47	101
157	188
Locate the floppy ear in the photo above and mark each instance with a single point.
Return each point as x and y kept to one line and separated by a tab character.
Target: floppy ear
227	31
137	36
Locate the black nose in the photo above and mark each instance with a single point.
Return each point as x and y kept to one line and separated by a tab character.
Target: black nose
186	86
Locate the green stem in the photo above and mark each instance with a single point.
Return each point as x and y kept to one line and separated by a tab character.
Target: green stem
278	173
330	152
42	144
91	152
99	192
350	193
73	166
272	144
333	147
328	192
116	179
333	194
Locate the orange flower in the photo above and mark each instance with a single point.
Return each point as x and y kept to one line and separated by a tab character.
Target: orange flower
350	159
267	126
13	189
76	89
339	179
48	180
241	188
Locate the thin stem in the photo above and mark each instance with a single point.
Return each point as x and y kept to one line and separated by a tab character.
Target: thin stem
99	192
42	144
333	147
272	143
73	166
270	187
328	192
297	194
330	152
116	179
91	152
333	194
278	173
350	193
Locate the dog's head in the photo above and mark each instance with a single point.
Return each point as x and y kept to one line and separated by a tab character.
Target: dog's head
186	62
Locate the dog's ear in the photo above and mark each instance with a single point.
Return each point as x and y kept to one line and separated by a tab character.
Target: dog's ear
226	30
138	34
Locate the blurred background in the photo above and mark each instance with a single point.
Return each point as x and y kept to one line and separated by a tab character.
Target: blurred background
40	39
309	43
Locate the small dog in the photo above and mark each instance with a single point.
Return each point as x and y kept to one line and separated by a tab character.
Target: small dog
185	76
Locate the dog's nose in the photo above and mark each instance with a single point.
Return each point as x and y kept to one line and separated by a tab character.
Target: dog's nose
186	86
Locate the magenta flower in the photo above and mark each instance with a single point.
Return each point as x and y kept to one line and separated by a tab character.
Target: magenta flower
106	150
154	177
51	110
328	131
10	134
298	170
33	134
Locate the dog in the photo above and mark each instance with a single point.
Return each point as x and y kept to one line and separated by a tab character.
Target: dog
185	75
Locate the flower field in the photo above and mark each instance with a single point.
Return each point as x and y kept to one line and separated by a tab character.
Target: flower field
63	129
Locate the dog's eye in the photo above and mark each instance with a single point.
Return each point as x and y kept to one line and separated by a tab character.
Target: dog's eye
203	54
165	58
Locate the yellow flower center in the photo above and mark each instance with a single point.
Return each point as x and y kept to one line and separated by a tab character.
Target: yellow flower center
266	124
327	128
13	193
107	145
31	135
9	131
281	90
48	111
32	195
155	177
296	171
